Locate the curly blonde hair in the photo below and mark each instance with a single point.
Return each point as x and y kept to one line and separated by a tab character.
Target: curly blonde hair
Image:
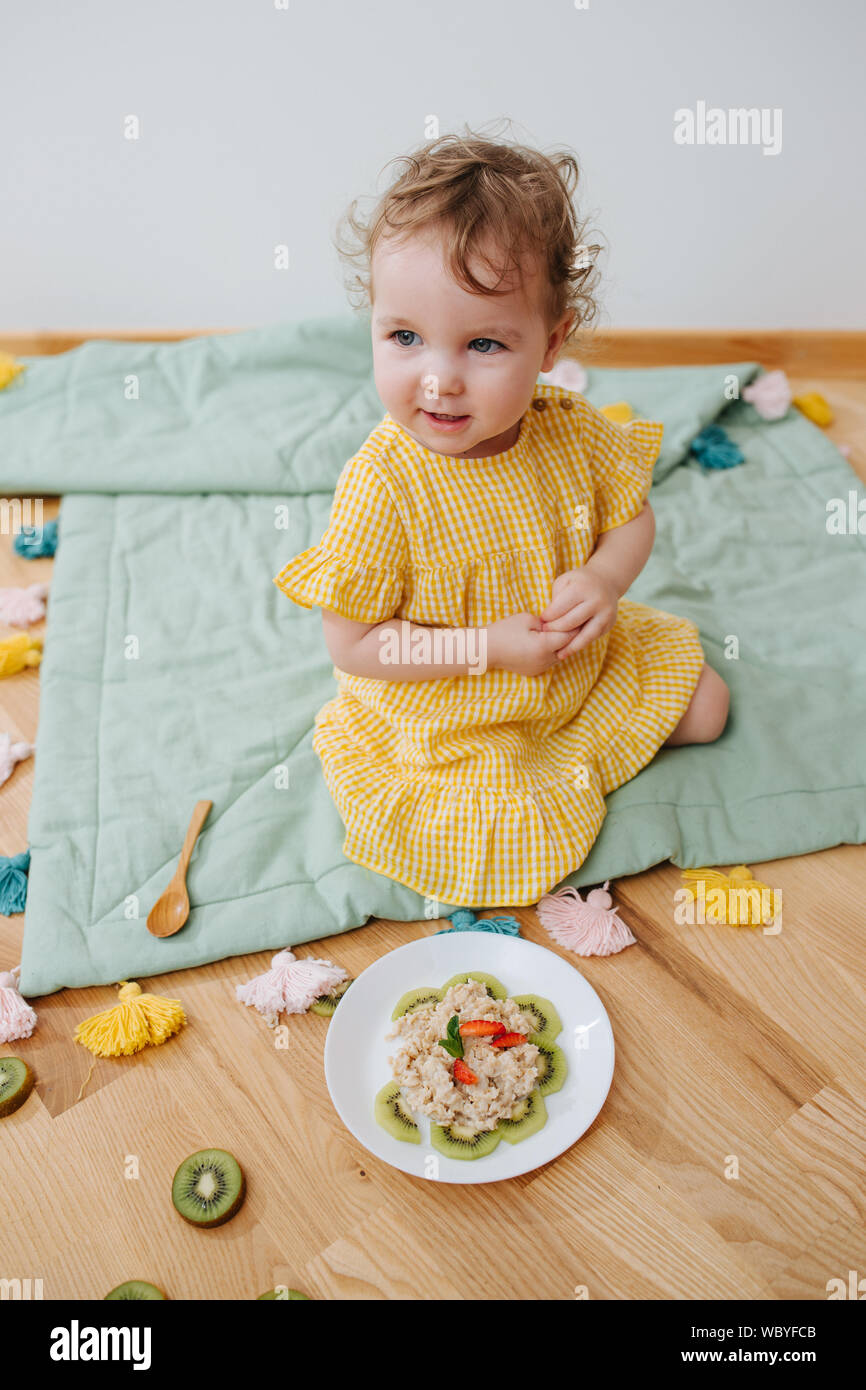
468	186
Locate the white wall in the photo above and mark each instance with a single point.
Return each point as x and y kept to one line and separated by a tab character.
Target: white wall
258	124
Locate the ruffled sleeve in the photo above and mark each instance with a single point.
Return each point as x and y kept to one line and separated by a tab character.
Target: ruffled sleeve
621	459
358	567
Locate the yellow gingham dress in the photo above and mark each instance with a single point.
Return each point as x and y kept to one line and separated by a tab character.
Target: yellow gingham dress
487	790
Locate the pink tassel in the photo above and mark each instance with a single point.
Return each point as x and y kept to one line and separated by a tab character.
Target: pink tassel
17	1019
590	928
290	986
770	395
18	607
12	753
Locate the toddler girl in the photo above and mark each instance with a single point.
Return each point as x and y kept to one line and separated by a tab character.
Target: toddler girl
493	683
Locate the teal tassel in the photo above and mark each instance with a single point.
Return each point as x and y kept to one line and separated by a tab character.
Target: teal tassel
464	919
13	882
715	450
35	541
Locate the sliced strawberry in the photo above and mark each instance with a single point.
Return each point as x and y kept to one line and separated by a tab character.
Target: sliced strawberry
508	1040
464	1073
481	1028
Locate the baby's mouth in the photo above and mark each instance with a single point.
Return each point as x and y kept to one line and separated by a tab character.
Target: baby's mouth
441	418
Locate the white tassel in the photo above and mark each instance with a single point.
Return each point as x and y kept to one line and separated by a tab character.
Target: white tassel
290	986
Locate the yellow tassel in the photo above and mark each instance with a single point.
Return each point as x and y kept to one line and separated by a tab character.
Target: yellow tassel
815	407
716	893
135	1022
9	369
620	412
19	651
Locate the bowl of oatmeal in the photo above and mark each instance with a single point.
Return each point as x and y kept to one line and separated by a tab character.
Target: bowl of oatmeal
375	1041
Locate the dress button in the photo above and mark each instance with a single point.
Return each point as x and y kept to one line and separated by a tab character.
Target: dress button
540	403
566	403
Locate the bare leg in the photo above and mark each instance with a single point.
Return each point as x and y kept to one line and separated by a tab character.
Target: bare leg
707	712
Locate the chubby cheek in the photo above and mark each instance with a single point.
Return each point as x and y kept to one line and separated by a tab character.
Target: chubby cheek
400	386
501	387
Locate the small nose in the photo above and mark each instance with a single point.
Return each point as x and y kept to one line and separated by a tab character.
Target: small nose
444	382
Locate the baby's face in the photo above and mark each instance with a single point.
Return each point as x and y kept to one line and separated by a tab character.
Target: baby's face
437	349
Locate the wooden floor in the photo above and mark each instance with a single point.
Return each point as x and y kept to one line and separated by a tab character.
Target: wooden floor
728	1161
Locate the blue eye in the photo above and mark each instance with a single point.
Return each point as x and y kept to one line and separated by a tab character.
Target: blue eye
397	332
491	341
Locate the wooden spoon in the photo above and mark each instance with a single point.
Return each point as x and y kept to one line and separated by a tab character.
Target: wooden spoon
171	908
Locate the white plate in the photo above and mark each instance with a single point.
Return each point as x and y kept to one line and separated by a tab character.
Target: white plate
356	1051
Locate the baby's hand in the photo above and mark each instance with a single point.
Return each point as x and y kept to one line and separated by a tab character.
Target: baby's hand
520	644
583	606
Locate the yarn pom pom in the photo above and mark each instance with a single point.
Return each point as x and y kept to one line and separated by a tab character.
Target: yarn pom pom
464	919
590	928
620	412
714	449
290	986
13	882
815	408
35	541
17	1019
9	368
12	753
19	651
567	373
721	896
19	606
137	1020
770	395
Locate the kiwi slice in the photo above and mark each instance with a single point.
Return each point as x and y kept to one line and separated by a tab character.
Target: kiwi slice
494	988
16	1083
394	1115
137	1289
527	1117
551	1063
458	1141
327	1003
208	1187
546	1020
416	999
282	1292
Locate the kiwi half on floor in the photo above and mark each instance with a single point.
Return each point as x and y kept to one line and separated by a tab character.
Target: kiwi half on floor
394	1115
327	1003
458	1141
415	999
551	1064
288	1295
545	1020
135	1289
16	1083
494	987
208	1188
527	1117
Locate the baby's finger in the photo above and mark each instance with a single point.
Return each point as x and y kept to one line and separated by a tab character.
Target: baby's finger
559	604
574	617
588	633
555	639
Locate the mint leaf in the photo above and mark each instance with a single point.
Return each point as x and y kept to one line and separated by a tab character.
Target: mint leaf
453	1044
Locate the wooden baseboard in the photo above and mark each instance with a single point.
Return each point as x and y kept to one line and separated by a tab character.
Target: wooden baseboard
830	352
